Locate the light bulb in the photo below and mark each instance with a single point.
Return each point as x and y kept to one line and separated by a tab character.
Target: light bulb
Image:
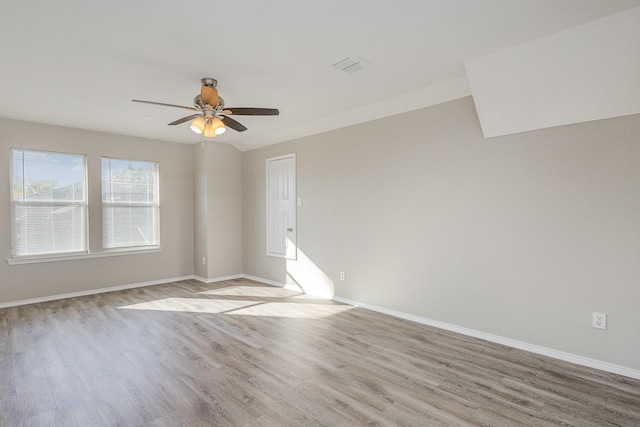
198	125
218	127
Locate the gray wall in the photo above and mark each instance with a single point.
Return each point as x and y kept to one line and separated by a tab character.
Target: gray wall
19	282
522	236
218	210
200	213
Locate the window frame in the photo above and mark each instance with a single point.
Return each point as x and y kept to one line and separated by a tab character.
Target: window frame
155	205
35	257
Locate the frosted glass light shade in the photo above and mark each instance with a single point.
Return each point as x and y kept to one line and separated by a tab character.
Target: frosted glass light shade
209	131
218	127
198	125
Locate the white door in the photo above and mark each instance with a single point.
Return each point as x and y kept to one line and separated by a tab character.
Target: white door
281	206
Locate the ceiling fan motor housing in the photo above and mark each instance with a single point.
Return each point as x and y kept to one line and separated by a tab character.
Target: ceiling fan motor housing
209	81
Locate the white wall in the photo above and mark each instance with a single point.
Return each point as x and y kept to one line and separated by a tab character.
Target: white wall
522	236
27	281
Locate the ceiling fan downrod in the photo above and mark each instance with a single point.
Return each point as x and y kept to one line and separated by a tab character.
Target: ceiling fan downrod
209	81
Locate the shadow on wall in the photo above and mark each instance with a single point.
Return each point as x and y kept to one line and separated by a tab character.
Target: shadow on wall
307	276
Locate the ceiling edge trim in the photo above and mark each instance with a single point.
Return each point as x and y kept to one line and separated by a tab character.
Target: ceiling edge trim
421	98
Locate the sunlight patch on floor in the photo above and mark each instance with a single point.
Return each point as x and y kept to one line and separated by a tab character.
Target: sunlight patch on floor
292	310
241	307
252	291
192	305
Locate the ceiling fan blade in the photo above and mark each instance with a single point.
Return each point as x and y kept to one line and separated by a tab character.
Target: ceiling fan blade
209	95
228	121
252	111
184	119
165	105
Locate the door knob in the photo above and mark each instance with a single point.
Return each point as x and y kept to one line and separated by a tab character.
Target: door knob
289	229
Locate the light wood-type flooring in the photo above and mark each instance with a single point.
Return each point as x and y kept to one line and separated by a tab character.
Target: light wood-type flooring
238	353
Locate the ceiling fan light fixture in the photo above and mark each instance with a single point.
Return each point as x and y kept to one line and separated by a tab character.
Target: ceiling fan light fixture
213	128
208	112
217	126
198	125
208	132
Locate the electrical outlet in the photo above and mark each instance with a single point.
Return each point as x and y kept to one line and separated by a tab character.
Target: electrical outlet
204	260
599	321
342	275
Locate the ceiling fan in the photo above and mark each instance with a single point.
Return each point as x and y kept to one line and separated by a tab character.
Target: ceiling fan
211	118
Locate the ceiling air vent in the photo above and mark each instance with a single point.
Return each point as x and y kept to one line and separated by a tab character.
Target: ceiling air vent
351	64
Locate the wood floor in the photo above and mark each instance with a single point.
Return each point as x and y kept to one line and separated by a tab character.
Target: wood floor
239	353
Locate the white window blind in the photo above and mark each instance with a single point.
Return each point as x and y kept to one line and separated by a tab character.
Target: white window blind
130	208
49	202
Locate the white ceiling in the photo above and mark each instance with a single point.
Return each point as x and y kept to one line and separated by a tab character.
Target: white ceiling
79	63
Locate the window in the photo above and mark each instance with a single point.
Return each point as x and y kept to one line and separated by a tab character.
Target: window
130	208
49	203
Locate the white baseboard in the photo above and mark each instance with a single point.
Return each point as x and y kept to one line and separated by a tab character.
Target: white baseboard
532	348
219	279
273	283
263	280
92	292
